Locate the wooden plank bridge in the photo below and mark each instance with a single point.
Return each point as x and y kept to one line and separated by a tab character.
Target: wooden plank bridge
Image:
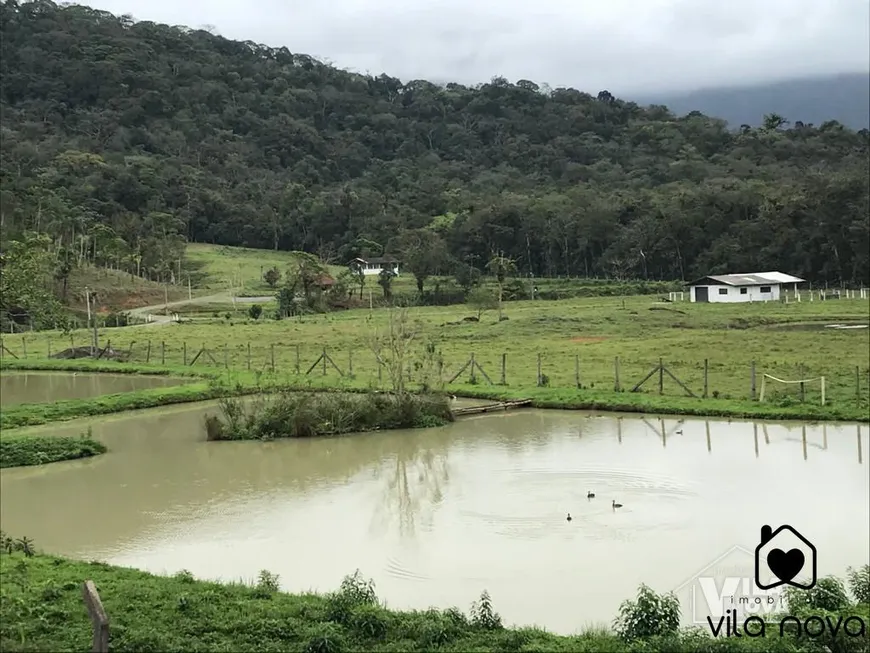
489	408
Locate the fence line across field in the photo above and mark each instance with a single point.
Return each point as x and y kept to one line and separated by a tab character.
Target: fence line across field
690	378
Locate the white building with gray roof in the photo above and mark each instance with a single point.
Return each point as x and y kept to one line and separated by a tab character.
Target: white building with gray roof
734	288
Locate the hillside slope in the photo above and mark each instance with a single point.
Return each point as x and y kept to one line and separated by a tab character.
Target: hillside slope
811	100
122	140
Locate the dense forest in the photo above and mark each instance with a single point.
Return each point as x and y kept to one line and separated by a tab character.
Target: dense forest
122	140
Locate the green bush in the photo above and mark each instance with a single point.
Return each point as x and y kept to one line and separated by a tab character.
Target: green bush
650	615
300	415
24	450
859	583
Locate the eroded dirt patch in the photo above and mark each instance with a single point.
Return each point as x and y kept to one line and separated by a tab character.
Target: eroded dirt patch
588	339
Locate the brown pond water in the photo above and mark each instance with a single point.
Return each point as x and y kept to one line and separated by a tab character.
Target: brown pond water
37	387
435	516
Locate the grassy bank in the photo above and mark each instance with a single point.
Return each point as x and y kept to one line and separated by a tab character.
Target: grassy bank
216	383
301	415
25	450
42	610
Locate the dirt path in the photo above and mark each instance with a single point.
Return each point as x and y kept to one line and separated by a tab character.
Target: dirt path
220	298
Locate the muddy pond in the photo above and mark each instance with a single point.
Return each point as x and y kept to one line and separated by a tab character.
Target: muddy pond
38	387
436	516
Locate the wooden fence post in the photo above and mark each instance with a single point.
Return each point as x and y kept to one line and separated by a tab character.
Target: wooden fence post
350	362
380	369
297	359
752	381
24	345
272	356
616	374
162	352
184	352
249	356
540	374
706	376
503	369
661	376
471	362
577	370
49	347
99	618
148	353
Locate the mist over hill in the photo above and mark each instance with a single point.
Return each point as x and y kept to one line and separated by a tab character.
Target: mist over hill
811	100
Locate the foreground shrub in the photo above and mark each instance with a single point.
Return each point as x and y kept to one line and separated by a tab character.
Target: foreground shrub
859	583
650	615
24	450
301	415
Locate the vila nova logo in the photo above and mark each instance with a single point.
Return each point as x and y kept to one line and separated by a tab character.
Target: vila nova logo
740	594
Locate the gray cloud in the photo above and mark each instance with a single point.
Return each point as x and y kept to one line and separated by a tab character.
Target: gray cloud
625	46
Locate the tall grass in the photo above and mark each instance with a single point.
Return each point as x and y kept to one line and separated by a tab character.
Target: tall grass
307	414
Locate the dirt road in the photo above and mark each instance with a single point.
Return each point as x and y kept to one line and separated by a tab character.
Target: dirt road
220	298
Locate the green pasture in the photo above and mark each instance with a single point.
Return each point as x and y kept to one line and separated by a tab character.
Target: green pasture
591	339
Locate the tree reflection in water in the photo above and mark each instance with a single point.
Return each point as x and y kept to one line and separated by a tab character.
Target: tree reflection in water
413	489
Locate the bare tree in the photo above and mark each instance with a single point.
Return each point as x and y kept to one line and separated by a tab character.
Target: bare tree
392	346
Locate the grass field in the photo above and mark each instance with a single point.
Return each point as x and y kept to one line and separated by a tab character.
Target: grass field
212	269
42	610
215	267
787	341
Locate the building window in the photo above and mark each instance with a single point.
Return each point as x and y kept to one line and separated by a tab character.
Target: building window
743	291
723	291
765	288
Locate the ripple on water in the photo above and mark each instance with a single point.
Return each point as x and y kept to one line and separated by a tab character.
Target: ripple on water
651	503
397	569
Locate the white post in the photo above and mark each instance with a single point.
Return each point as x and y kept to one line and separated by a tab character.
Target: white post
823	391
189	291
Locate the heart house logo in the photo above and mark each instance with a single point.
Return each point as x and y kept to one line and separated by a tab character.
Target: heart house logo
781	555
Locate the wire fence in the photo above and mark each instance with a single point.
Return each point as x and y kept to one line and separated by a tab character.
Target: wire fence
703	377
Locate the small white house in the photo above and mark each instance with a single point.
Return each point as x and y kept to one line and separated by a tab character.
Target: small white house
374	266
733	288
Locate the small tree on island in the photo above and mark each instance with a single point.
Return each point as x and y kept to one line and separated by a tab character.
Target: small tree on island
392	346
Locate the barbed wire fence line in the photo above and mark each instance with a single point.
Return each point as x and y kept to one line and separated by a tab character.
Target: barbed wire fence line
708	377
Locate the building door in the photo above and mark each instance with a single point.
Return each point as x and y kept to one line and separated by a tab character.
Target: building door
701	294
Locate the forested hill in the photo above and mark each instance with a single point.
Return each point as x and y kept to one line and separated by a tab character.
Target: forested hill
122	139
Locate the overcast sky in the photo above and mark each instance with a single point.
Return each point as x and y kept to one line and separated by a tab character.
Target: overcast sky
625	46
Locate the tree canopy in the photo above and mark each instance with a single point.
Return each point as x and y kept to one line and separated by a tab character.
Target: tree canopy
121	140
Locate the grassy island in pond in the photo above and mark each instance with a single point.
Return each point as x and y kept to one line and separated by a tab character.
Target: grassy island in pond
42	610
24	450
308	414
